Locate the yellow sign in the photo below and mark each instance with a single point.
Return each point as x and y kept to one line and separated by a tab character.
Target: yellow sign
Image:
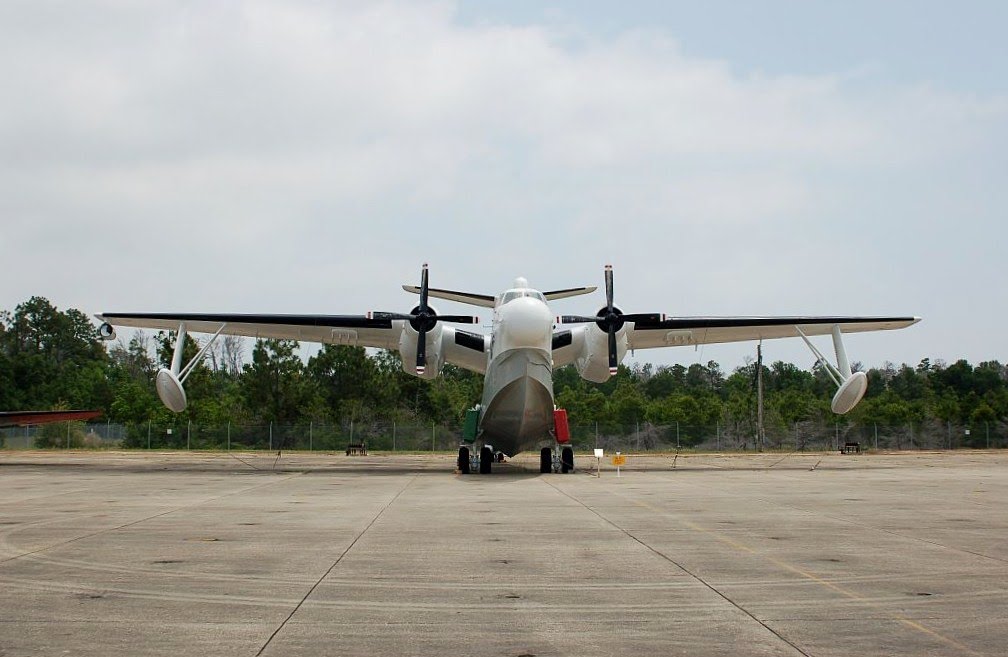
619	460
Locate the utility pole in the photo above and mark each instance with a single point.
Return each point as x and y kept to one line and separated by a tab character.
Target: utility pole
759	397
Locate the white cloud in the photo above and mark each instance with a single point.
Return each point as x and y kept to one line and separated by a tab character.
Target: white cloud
274	156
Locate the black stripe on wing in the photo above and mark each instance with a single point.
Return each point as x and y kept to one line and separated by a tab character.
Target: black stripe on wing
335	321
744	322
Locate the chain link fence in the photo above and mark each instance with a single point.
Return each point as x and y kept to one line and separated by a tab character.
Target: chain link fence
395	437
802	436
308	436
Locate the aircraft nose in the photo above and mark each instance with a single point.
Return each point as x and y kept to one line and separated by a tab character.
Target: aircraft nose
528	322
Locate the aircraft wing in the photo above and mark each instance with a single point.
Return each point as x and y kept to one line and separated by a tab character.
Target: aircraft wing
355	330
26	418
672	331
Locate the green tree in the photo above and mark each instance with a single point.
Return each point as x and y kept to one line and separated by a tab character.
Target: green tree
274	385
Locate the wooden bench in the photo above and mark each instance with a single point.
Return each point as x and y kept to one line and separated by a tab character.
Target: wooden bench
358	449
851	448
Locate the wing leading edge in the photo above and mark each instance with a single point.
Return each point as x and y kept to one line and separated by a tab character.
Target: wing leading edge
711	330
358	330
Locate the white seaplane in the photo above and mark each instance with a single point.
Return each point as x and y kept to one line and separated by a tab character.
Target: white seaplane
517	359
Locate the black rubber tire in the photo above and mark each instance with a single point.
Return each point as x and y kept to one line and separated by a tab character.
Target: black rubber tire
486	458
545	460
463	460
499	457
567	460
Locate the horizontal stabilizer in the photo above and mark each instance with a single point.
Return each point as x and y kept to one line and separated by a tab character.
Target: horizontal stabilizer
569	292
452	295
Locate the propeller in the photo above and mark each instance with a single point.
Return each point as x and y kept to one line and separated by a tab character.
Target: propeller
611	319
423	319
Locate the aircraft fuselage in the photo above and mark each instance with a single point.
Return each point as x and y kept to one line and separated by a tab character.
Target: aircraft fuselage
517	406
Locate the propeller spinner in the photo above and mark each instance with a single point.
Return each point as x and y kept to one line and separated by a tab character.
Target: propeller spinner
423	319
611	319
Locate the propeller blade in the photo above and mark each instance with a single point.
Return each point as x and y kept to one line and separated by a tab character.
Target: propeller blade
383	316
421	351
423	288
609	288
613	365
458	319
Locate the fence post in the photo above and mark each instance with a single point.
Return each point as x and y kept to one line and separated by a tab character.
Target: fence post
677	434
68	434
393	435
188	435
987	424
229	436
148	433
596	433
949	433
432	437
836	440
310	423
718	429
876	435
271	436
637	436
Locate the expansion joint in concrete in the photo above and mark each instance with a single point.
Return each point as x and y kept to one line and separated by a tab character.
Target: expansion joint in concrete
681	567
335	563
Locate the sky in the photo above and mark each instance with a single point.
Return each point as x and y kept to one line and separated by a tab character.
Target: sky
726	158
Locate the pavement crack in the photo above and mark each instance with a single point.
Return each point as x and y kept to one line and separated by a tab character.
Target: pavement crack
335	563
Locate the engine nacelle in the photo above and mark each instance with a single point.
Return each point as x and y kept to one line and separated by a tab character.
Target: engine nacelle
408	351
593	361
106	332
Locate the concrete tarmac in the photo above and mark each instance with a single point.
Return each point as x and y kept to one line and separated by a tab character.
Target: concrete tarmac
321	554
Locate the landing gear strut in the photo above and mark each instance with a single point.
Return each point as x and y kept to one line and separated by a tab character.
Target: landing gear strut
556	460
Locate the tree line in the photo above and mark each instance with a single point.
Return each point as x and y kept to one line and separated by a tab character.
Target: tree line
54	359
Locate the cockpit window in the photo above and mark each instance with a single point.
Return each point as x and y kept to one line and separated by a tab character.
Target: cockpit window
511	295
